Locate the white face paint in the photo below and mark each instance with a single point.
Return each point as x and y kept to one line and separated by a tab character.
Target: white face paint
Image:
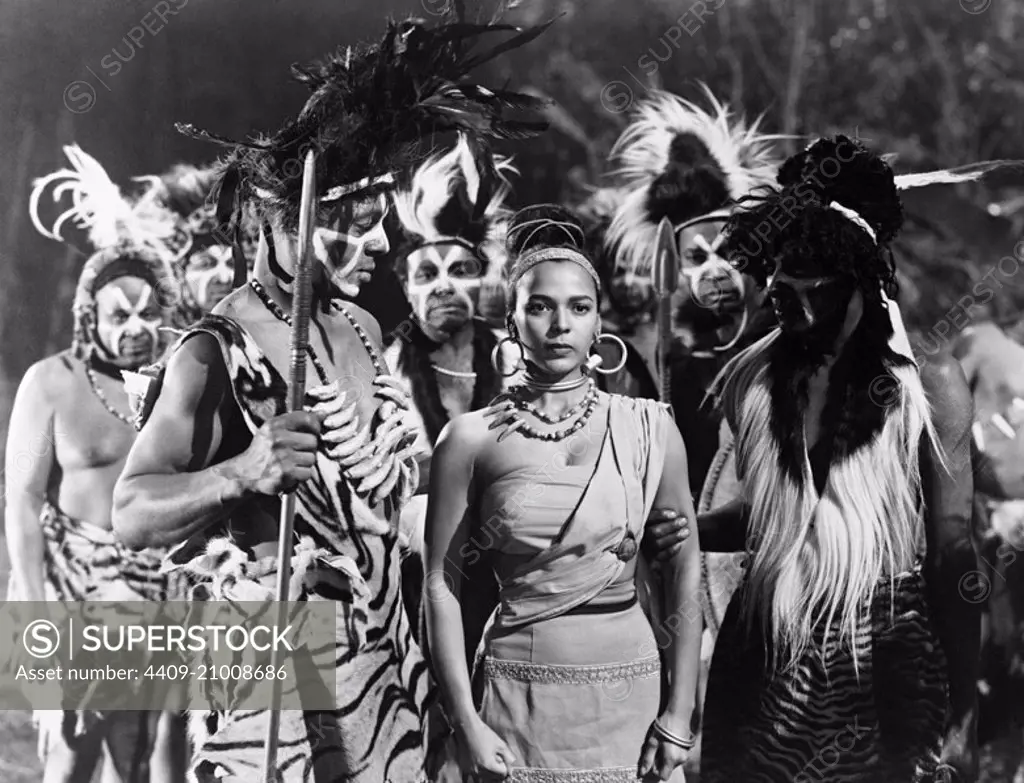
712	282
349	246
127	319
209	275
443	287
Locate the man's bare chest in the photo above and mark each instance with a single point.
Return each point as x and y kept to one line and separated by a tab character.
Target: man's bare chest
86	435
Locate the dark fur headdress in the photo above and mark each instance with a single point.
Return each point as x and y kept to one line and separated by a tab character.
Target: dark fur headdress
681	162
459	197
374	111
821	187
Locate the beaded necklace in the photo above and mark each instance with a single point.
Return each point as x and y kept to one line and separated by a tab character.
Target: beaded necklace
518	423
566	415
452	373
271	305
91	375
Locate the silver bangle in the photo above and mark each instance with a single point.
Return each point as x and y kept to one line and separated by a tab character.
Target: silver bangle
675	739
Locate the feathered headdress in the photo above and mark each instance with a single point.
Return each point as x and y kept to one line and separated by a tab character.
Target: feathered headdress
186	190
109	218
459	197
679	161
139	237
190	192
371	110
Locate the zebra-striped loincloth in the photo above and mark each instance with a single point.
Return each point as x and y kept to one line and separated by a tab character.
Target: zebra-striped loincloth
84	562
824	720
375	733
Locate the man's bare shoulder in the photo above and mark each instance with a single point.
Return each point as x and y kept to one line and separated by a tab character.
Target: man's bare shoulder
196	369
943	378
200	348
54	377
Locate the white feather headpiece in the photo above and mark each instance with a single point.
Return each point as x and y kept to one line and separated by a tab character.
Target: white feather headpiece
743	153
99	208
435	186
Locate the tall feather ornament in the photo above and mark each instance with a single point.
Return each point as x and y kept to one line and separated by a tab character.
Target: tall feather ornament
377	109
100	209
972	172
435	189
643	153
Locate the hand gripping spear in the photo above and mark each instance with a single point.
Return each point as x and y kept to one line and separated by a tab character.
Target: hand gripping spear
302	296
666	280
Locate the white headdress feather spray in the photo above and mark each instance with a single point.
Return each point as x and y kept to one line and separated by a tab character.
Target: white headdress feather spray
742	152
435	184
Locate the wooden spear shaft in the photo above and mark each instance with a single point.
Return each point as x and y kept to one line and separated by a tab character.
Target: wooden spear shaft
302	296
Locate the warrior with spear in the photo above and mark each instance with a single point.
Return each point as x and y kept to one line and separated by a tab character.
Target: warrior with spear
221	442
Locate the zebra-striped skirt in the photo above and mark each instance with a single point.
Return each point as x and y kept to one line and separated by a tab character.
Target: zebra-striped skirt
85	562
375	734
823	720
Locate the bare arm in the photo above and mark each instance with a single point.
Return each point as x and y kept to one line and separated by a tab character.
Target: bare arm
952	562
683	622
682	580
169	490
482	753
724	529
30	459
445	540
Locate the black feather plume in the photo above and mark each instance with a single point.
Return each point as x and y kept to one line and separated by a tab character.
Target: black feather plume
377	109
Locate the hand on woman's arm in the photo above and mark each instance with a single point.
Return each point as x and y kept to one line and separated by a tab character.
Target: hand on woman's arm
683	624
446	541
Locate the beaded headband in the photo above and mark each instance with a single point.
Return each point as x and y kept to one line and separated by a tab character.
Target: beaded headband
531	258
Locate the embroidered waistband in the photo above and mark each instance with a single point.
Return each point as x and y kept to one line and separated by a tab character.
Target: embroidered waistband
609	775
561	674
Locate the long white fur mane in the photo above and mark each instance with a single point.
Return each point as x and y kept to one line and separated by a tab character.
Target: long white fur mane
743	153
818	560
434	184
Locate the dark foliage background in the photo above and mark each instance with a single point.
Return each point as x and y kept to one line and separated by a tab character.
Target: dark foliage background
937	81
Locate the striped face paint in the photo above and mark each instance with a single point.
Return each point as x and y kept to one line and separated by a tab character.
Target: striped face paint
209	275
443	286
350	244
128	316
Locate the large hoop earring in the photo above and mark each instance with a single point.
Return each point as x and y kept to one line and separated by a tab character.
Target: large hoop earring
594	362
495	361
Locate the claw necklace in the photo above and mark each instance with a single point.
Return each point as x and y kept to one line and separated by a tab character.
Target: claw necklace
271	305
